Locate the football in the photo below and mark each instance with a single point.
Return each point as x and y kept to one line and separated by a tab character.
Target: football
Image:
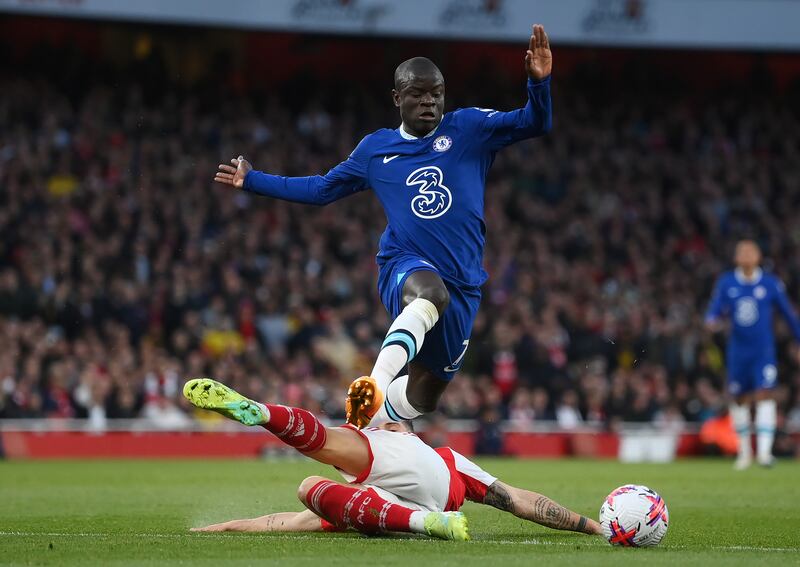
634	516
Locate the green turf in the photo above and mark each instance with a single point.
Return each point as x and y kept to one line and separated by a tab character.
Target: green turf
137	512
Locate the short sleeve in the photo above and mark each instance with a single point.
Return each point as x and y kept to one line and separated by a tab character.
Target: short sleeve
476	480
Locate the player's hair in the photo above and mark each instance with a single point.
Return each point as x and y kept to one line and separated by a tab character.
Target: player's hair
748	240
408	424
414	67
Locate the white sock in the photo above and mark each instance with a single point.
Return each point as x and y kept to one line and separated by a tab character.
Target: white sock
404	340
416	523
740	415
264	409
381	416
396	406
766	420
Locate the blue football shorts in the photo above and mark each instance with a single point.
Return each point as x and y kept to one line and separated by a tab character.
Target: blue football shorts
748	372
446	344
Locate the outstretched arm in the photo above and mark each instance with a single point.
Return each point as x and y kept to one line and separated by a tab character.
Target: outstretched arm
538	58
536	117
537	508
345	179
305	521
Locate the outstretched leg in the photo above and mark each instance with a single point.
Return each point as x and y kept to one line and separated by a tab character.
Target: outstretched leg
341	447
361	508
425	298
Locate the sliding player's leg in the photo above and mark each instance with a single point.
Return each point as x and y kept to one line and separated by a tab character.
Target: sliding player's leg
340	447
766	415
363	509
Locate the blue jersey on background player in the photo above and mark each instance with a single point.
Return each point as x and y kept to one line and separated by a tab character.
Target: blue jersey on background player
750	304
749	297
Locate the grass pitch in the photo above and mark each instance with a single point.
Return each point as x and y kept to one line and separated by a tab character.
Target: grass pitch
138	513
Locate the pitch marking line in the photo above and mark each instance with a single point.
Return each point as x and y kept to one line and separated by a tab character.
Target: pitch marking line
681	547
309	537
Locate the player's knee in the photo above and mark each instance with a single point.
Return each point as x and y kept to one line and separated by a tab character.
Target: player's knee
422	402
764	394
438	295
306	486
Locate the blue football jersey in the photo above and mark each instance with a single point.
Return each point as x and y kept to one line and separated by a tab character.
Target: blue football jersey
750	305
431	188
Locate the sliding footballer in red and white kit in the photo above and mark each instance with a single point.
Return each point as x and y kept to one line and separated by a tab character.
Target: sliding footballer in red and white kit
394	481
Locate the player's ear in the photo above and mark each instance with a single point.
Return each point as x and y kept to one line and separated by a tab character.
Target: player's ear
396	97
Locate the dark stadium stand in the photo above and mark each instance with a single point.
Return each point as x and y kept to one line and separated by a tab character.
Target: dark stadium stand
123	270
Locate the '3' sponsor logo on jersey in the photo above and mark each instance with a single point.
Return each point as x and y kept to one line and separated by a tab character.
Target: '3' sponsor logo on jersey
746	312
434	197
770	374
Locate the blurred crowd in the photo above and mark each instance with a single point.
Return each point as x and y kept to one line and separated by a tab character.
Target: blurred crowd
123	270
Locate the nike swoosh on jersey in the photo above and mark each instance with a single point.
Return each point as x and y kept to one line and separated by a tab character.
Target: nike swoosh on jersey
387	159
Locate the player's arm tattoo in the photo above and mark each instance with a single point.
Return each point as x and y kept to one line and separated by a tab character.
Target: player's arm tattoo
498	496
552	515
534	507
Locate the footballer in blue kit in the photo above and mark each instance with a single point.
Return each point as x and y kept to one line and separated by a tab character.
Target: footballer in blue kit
748	297
429	174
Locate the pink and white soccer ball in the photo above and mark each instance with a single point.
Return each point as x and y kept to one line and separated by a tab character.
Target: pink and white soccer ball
634	516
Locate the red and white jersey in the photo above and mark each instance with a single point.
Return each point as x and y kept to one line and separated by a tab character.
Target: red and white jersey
403	469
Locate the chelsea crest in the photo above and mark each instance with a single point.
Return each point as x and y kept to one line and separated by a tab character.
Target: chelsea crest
442	143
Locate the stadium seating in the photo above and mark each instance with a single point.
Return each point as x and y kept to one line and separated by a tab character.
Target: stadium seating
123	270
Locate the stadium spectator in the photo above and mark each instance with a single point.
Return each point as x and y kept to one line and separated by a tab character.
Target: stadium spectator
122	270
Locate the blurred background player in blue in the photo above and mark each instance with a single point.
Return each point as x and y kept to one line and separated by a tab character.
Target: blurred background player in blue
430	176
748	295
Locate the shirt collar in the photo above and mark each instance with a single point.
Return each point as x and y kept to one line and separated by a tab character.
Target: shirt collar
407	136
740	277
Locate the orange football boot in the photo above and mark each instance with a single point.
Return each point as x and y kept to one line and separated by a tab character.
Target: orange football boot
364	399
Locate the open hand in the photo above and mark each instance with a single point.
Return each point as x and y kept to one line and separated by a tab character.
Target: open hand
233	174
539	58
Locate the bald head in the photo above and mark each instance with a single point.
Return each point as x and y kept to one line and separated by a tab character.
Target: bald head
419	94
416	68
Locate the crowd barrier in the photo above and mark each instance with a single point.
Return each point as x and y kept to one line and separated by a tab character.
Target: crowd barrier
136	439
45	439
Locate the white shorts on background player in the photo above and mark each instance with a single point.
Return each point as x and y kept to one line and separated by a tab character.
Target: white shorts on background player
406	471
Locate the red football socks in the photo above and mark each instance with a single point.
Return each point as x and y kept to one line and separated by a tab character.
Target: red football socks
358	508
296	427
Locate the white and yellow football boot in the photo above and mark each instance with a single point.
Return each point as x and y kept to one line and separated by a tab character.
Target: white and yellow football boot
209	394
